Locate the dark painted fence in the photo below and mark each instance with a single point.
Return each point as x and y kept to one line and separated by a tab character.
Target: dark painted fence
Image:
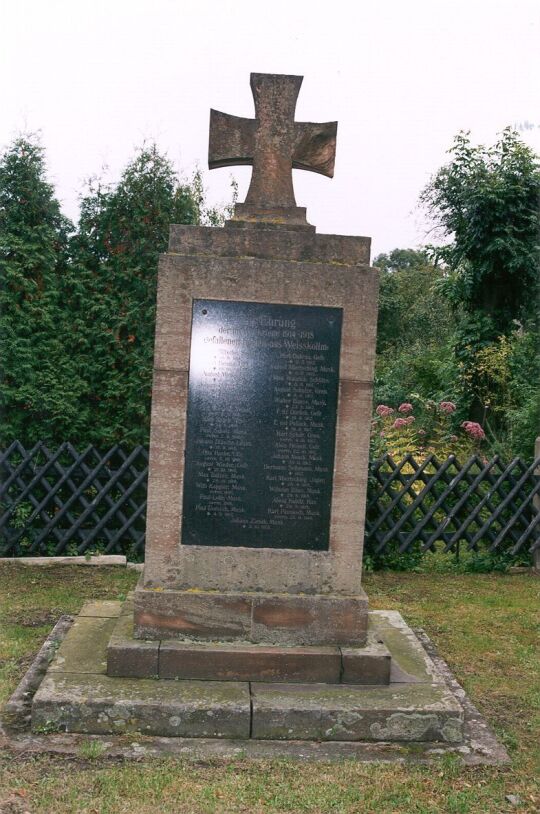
68	502
480	503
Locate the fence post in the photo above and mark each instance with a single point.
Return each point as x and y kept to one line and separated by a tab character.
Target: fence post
536	500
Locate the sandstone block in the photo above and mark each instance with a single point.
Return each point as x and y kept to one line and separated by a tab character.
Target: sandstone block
127	656
412	712
310	620
102	705
192	615
238	662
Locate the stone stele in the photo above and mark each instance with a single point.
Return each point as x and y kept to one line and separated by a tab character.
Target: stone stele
296	586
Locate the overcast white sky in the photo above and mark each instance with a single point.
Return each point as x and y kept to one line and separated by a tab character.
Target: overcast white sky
98	77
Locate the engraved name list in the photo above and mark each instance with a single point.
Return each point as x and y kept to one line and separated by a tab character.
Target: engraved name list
261	421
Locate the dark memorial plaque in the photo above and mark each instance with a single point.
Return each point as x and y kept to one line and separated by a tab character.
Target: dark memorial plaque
261	423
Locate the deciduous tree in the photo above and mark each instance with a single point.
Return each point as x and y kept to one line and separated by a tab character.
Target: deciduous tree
486	204
415	330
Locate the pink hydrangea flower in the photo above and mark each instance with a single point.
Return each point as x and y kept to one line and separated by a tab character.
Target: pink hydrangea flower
447	407
410	419
384	411
453	438
405	407
399	422
474	429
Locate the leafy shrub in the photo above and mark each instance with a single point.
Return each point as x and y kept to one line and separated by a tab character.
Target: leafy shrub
434	430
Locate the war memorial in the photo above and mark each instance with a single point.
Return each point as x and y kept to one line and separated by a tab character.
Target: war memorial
250	623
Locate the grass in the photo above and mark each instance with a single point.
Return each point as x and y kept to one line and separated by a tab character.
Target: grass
485	625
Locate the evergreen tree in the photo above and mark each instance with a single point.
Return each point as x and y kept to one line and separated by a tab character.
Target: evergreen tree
77	311
39	386
122	231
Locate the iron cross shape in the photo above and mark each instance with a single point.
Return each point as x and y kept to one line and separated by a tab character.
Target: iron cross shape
273	143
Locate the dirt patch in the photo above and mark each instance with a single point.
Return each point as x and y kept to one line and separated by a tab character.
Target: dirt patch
22	664
34	617
15	804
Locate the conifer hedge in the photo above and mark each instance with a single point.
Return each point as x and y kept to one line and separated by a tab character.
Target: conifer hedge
77	304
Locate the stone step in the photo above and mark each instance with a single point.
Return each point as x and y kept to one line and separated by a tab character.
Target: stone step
406	712
244	661
99	705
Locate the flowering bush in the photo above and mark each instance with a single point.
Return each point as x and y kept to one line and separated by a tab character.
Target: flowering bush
474	430
383	410
434	431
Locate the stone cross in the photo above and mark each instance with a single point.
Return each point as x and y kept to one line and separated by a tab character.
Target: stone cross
273	143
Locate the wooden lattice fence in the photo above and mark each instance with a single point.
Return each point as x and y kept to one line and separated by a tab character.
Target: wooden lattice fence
70	502
480	503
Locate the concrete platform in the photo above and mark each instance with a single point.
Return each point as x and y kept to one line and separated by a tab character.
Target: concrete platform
78	696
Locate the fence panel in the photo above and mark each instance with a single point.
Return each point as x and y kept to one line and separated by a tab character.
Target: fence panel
68	502
480	502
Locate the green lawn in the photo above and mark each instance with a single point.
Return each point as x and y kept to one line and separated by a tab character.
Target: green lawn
485	625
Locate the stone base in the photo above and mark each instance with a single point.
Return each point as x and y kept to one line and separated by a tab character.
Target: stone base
277	619
77	696
97	704
479	745
240	661
413	712
272	217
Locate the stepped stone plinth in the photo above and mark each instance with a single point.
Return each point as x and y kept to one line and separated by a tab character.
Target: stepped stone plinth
390	690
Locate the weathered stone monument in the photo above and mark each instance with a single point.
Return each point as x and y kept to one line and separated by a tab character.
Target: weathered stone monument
250	620
263	365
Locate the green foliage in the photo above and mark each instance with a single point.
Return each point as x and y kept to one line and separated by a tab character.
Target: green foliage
392	559
429	370
487	201
410	308
484	561
523	412
40	382
122	231
415	330
403	260
78	310
464	331
506	377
